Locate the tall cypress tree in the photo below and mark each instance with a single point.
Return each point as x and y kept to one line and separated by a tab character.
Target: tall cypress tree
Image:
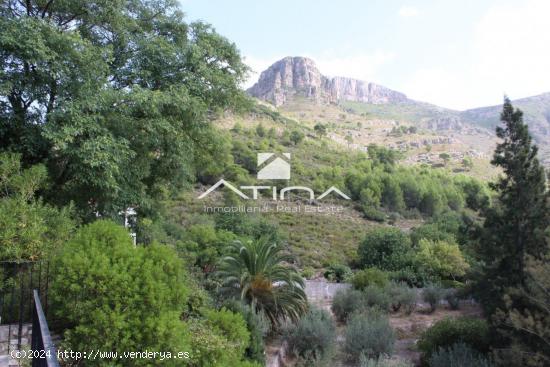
514	225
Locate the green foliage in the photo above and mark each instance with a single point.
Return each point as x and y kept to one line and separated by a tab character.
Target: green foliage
381	362
260	130
320	129
312	340
513	231
257	326
433	294
29	229
452	299
447	332
211	340
530	327
368	277
347	301
99	284
402	297
368	334
441	259
458	355
97	94
255	272
296	136
376	297
386	248
338	273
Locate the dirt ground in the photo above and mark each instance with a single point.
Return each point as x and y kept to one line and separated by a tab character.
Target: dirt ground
408	328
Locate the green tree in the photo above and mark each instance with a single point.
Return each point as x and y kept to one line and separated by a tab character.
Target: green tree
445	157
514	226
320	129
260	130
387	248
113	97
255	272
29	229
467	163
296	136
441	259
530	335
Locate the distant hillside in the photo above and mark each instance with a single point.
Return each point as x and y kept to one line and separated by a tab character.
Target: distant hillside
296	85
536	111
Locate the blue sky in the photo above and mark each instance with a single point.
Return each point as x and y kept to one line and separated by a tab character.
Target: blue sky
457	54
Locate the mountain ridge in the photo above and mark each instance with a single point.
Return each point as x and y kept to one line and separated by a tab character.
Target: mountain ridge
296	75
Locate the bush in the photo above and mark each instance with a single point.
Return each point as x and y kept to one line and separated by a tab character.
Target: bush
258	327
338	273
386	248
374	214
446	332
347	301
381	362
308	272
368	277
99	283
432	295
376	297
452	299
368	334
441	259
413	277
313	338
458	355
401	296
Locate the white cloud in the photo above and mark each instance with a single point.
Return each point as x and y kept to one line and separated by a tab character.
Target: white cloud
509	53
360	65
408	11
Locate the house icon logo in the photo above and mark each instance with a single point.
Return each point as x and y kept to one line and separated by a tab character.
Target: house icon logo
272	166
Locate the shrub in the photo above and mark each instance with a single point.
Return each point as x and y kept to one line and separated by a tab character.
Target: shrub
386	248
446	332
412	276
313	338
308	272
376	297
382	362
257	326
452	299
337	273
433	294
458	355
368	277
374	214
347	301
99	283
401	296
441	259
368	334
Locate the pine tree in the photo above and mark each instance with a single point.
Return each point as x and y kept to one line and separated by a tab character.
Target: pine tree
514	225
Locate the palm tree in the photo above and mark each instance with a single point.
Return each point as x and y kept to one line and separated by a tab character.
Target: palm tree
258	273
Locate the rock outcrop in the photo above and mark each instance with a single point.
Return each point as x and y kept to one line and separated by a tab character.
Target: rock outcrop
299	76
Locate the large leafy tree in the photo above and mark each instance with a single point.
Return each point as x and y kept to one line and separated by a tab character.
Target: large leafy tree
113	95
258	272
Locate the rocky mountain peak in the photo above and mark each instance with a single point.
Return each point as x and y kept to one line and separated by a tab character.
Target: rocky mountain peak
299	76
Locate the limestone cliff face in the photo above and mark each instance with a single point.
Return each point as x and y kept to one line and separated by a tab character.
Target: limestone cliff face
299	76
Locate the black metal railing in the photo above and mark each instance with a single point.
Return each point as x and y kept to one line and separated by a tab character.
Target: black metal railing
17	282
44	351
